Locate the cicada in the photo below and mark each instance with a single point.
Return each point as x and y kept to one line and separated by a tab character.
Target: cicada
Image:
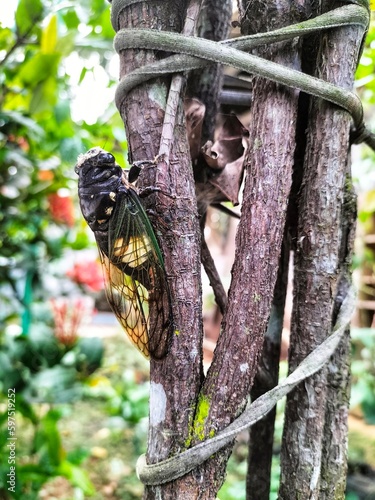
132	262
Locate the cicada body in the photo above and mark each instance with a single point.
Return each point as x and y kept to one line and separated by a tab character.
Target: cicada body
133	267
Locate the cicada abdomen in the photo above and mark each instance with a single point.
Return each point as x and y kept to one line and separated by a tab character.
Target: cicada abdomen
133	267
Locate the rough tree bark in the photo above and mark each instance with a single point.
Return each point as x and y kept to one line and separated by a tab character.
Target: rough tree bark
260	19
335	433
261	434
176	379
258	244
318	263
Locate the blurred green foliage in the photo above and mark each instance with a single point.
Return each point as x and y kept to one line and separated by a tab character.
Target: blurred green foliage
363	372
46	457
44	369
40	54
40	141
40	369
363	339
95	418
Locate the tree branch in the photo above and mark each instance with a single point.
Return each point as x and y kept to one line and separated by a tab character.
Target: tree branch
176	379
317	264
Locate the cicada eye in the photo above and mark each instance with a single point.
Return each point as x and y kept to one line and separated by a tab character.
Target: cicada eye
106	158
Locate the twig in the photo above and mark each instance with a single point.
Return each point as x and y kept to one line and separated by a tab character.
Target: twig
213	276
177	82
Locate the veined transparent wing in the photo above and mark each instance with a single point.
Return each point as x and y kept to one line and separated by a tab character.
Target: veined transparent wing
134	274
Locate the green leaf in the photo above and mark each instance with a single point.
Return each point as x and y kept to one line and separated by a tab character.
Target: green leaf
71	19
17	157
78	455
6	38
77	476
90	354
44	95
65	44
55	385
93	43
10	376
26	409
62	112
39	68
83	74
368	408
33	473
49	37
27	14
80	239
34	130
48	440
70	147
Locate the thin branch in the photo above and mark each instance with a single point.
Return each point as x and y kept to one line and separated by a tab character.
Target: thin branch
261	435
213	276
177	83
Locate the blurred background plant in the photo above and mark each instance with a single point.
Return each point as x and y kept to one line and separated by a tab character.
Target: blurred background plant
49	50
82	402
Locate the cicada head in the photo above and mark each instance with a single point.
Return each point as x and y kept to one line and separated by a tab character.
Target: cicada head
99	181
97	156
96	166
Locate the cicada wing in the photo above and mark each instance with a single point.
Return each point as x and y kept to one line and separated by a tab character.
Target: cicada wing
136	285
159	305
128	300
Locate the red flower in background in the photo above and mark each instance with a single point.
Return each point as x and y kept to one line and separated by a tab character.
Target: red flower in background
61	209
88	274
68	315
